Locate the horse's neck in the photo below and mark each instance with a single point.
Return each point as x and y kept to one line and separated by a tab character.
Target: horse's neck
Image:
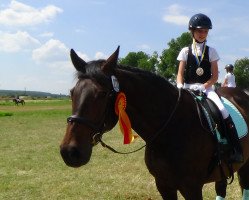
149	104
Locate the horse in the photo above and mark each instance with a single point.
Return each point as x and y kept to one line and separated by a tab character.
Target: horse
178	149
17	101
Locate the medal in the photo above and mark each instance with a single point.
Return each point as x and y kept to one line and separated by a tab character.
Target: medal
199	71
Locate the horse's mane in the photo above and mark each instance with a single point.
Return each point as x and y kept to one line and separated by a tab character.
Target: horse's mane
143	73
93	70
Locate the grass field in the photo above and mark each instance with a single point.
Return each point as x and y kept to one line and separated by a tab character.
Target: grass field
31	166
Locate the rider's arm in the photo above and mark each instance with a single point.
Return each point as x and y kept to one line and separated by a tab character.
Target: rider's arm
214	76
180	74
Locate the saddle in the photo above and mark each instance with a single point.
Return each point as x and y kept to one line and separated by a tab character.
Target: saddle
210	113
212	121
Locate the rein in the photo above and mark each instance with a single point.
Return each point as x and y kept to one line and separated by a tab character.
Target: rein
99	129
155	136
170	117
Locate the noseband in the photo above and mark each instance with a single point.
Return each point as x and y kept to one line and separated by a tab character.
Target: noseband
83	120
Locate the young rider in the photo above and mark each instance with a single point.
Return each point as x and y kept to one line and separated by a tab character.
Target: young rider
198	70
229	77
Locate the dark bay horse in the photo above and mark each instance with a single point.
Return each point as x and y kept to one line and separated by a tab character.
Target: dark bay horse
178	149
17	101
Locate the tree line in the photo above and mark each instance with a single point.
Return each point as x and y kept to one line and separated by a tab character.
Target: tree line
166	64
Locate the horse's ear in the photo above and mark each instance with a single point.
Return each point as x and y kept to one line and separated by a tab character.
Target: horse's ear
111	62
78	63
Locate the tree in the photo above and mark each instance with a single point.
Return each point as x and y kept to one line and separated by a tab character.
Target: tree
168	65
241	71
141	60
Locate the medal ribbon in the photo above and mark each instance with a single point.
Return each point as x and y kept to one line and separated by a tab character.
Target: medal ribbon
196	54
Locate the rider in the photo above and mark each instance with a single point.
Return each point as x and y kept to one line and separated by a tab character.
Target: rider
229	77
198	70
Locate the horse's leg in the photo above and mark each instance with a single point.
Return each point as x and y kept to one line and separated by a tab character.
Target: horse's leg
220	188
243	175
190	192
166	192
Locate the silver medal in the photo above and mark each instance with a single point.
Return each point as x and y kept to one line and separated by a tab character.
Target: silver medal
199	71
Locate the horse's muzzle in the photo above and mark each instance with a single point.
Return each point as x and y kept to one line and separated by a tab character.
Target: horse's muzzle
73	157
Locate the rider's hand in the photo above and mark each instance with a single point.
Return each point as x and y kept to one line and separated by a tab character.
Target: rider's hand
179	85
196	87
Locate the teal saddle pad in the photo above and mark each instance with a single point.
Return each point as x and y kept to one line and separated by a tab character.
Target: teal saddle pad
238	119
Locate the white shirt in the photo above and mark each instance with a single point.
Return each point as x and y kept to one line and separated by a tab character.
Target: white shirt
183	55
230	79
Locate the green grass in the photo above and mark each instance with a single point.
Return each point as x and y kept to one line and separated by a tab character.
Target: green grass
31	166
5	114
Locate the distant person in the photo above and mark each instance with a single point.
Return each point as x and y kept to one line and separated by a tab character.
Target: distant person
229	77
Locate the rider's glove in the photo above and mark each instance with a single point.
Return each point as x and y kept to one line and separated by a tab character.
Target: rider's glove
200	88
179	85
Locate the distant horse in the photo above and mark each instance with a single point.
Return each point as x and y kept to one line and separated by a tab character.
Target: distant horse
178	149
17	101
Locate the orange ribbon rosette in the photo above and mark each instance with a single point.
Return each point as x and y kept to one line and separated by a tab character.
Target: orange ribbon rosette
124	121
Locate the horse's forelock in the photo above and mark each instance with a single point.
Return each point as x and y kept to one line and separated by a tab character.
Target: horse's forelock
92	68
93	71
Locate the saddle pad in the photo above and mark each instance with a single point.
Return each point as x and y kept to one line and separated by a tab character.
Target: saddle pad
238	120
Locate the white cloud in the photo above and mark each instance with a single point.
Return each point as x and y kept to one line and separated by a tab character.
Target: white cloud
14	42
173	15
55	54
100	55
83	56
19	14
53	50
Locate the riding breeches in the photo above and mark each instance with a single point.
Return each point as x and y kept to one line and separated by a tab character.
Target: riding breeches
211	94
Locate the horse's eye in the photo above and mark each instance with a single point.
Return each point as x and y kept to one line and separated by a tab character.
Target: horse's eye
71	93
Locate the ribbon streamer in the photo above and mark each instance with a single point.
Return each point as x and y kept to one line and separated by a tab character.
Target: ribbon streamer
124	121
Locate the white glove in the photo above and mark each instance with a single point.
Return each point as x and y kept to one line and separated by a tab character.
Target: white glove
197	87
179	85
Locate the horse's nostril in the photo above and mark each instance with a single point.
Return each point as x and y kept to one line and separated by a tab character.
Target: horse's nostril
70	153
73	153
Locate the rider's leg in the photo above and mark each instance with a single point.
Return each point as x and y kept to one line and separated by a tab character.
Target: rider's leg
231	131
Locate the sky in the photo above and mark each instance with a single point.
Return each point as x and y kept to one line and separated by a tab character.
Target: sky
36	36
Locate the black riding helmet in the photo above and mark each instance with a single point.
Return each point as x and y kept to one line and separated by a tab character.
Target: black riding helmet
200	21
229	66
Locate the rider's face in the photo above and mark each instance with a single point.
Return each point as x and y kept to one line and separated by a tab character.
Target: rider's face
200	34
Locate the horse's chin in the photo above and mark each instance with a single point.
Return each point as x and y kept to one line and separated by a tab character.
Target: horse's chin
73	157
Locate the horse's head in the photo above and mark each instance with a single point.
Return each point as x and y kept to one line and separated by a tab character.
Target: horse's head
93	112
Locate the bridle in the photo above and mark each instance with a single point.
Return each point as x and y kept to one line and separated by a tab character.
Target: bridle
100	127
